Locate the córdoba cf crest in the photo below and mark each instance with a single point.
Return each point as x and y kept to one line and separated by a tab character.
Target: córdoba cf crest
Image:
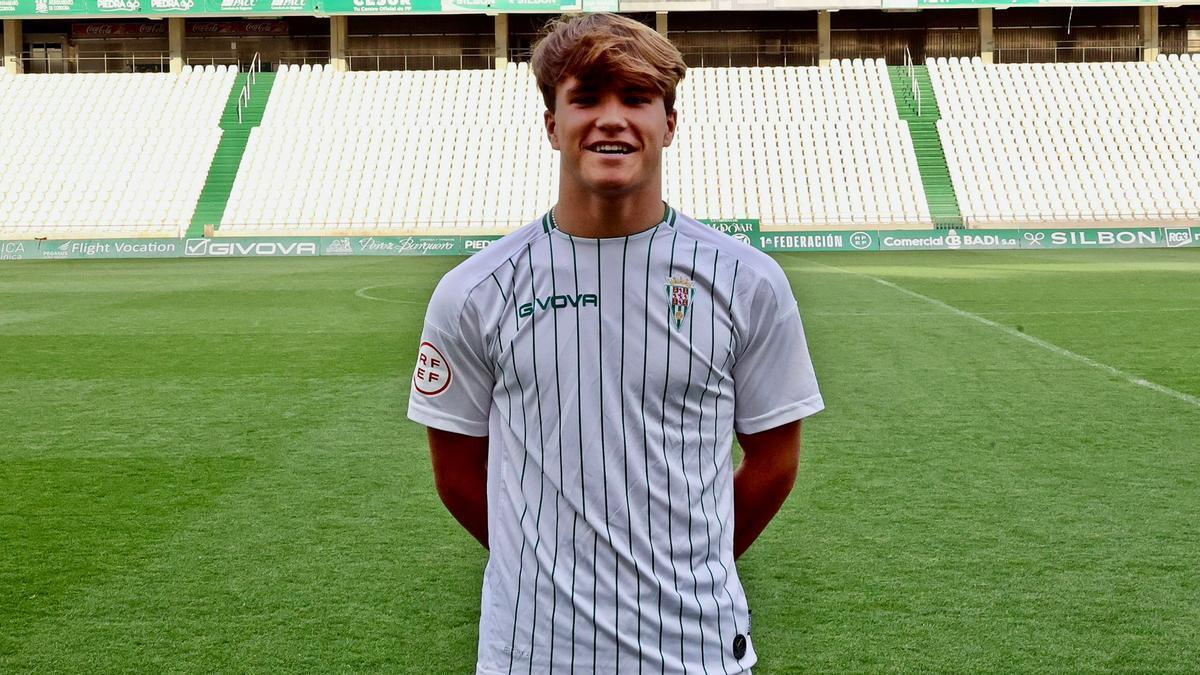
679	293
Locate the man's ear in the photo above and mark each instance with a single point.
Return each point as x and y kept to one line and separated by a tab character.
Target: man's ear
548	118
672	118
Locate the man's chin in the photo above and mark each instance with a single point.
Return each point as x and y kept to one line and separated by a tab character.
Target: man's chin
612	185
613	189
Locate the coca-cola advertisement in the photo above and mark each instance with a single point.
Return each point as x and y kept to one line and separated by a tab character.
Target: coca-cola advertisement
113	29
249	27
97	30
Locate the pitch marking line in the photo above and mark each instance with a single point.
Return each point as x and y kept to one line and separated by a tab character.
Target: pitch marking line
362	293
1021	312
1048	346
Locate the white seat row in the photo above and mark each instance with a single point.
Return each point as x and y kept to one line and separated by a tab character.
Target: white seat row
209	69
806	175
1100	142
1073	171
1054	91
976	61
408	150
327	98
86	176
858	90
96	99
390	178
106	154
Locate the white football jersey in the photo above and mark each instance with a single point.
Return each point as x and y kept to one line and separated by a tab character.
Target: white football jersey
609	376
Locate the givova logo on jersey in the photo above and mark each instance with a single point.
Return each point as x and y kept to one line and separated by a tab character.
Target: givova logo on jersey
557	302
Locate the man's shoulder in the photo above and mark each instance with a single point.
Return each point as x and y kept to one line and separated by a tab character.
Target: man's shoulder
458	285
755	264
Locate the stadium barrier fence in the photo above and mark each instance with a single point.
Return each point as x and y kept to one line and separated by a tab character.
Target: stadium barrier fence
37	63
1068	53
457	245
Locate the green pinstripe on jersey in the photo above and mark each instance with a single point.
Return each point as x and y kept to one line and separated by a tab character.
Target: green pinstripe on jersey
582	487
604	474
537	392
637	572
499	339
683	462
712	357
524	462
561	479
716	414
646	454
666	461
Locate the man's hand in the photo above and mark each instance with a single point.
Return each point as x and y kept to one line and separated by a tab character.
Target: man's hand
460	472
763	480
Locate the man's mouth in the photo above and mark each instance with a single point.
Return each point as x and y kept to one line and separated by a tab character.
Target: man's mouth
611	148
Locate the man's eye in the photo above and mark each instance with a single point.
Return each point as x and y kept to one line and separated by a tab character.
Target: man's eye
637	100
584	100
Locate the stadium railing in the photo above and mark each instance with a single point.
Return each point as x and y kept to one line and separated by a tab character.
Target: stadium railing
760	56
244	96
104	62
217	59
1124	218
743	56
1069	54
458	59
911	70
312	57
126	62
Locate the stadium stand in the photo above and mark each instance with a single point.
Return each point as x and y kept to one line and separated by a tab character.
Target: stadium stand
122	155
394	150
422	150
789	117
795	146
1071	143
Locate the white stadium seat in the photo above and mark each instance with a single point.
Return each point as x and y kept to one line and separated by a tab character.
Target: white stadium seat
112	155
1062	143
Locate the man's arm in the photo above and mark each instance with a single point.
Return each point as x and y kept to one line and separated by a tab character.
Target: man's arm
460	472
763	480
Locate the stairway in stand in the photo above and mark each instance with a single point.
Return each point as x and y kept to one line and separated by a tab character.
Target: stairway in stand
234	137
931	156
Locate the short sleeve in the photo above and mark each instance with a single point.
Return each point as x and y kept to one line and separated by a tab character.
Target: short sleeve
451	383
773	376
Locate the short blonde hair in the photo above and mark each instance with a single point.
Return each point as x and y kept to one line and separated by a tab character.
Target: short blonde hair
603	50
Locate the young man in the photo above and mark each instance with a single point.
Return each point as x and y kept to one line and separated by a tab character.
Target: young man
582	379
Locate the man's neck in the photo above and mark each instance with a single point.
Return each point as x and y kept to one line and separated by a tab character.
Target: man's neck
595	216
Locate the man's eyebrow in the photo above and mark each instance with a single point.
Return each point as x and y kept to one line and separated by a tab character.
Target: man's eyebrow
595	89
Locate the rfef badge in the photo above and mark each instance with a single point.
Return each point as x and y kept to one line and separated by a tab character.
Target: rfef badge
679	292
432	374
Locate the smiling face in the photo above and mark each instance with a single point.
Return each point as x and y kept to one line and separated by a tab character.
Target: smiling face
611	138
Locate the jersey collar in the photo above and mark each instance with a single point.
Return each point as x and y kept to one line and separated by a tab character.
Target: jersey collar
668	219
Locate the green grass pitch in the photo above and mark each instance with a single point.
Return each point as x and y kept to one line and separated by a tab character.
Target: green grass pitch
205	466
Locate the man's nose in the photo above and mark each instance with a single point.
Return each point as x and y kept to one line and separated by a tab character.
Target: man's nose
612	115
